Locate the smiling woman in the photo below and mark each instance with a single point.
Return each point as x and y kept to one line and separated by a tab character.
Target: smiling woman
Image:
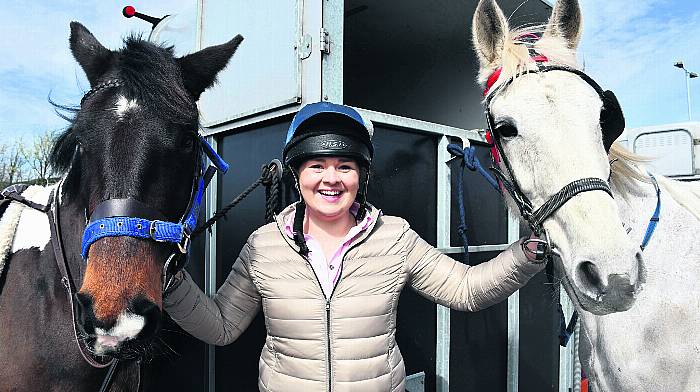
329	186
328	274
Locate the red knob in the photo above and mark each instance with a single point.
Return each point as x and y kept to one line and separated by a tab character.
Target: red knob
129	11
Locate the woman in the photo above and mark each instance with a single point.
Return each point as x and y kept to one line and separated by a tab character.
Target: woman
329	271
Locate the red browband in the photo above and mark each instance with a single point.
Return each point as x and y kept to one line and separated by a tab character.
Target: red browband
497	73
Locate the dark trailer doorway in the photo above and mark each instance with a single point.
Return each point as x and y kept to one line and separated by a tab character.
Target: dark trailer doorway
408	65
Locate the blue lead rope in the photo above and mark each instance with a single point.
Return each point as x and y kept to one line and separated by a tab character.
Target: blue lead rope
655	217
471	162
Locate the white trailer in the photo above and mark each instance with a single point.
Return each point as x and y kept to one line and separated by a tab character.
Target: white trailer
675	148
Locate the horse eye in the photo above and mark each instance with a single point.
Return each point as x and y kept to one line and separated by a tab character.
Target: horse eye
188	142
506	130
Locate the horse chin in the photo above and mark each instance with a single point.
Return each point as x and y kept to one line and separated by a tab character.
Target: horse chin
106	346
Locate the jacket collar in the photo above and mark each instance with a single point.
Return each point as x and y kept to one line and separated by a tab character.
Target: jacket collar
282	217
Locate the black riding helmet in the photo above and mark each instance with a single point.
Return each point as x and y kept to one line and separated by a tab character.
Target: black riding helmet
328	129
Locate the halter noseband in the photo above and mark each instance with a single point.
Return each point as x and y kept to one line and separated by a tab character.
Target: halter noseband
536	217
132	218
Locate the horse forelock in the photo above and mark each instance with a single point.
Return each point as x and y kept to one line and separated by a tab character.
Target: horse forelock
152	77
516	58
149	76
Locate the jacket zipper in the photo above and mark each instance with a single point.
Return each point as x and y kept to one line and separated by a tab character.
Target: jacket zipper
328	298
328	316
328	341
328	312
328	306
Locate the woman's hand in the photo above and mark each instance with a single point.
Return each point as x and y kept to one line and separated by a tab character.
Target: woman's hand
534	249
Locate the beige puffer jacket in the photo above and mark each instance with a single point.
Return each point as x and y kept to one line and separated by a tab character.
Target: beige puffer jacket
346	342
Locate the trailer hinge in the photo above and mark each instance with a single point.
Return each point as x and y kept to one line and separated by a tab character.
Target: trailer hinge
325	42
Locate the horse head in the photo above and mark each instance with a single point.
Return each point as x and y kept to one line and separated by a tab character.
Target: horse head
552	125
134	141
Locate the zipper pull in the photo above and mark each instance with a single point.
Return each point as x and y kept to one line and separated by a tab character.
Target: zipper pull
328	305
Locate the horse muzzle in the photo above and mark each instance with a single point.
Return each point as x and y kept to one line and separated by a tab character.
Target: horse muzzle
117	336
602	293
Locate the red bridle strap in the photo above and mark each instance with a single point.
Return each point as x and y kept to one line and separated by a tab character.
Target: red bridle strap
497	73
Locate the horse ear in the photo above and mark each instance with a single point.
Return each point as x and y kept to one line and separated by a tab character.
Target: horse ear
489	32
566	22
89	52
199	69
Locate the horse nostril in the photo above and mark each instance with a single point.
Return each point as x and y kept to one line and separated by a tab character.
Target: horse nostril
151	313
84	315
589	276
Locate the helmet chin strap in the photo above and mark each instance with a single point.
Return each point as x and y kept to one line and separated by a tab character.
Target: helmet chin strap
362	196
298	226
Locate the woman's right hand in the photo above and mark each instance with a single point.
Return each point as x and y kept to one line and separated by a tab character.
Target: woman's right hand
534	249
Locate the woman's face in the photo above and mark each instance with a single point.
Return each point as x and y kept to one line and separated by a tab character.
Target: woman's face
329	186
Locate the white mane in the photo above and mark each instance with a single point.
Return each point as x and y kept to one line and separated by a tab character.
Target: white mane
628	172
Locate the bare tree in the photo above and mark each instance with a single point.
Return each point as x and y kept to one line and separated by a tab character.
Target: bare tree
37	157
3	164
15	162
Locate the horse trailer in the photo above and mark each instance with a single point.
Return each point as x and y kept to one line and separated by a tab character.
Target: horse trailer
673	148
410	68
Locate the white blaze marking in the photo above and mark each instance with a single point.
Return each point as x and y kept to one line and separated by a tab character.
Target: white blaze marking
128	325
123	105
33	229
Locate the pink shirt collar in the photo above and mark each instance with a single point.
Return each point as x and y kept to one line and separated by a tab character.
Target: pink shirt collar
361	226
328	271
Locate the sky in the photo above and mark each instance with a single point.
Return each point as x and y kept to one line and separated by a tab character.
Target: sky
35	61
628	47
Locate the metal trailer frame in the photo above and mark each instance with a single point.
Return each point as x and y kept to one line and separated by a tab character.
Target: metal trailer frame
321	77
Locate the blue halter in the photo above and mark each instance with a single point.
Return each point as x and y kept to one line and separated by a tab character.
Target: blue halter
111	218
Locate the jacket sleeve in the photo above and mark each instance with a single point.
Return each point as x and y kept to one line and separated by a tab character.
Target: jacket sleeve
448	282
222	319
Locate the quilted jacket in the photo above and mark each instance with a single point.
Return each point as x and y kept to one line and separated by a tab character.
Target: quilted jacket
345	342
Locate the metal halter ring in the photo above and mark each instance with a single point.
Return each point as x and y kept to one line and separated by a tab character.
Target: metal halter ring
544	247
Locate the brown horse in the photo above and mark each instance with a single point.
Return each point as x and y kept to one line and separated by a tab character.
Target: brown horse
133	141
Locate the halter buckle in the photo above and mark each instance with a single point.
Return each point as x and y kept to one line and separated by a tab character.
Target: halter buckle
152	231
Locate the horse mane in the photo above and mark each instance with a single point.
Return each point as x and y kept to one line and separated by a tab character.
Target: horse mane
515	57
148	74
627	172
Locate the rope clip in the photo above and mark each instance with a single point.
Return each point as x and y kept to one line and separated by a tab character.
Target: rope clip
185	243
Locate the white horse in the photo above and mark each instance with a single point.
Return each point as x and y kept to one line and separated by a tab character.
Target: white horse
640	310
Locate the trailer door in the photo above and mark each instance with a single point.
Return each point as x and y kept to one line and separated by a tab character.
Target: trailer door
265	72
